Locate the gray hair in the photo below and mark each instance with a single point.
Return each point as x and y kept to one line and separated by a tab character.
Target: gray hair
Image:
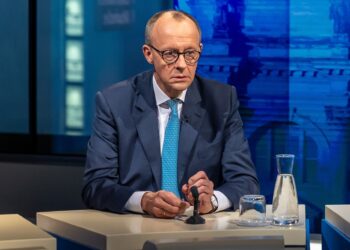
176	14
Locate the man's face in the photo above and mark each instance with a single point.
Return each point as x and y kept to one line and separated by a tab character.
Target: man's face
171	34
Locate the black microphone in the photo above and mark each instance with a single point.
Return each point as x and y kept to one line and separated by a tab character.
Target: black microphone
194	191
195	218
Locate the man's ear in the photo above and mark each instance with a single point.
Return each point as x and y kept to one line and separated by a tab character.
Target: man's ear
201	46
147	53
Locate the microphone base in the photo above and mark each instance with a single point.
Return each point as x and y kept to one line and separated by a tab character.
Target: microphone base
195	219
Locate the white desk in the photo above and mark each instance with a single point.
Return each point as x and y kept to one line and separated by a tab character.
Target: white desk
18	233
339	216
103	230
336	227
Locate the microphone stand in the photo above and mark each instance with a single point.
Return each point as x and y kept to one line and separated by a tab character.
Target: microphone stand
195	218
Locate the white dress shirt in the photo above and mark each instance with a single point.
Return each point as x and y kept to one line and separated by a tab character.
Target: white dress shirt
134	202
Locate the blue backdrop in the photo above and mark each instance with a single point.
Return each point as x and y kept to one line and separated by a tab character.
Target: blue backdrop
290	63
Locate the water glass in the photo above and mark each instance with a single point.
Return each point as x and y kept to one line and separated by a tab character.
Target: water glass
252	209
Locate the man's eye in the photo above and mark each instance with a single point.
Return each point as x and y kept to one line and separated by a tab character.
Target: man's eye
191	53
170	53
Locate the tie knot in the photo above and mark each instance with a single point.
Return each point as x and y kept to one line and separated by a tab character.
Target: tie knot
172	104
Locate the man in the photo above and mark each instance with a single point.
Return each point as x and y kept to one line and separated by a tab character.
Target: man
161	132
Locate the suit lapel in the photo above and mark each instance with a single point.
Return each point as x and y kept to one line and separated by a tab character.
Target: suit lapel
192	113
145	117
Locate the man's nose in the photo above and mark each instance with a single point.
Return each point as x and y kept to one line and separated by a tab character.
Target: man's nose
181	63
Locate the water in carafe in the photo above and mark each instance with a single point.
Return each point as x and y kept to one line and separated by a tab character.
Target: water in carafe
285	199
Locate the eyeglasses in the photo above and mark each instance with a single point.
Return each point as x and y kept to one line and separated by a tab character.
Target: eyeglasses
170	56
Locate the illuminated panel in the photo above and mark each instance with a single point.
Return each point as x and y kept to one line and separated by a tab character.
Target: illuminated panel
74	61
74	107
74	67
74	18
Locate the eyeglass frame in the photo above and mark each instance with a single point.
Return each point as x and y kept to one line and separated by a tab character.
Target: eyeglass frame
161	53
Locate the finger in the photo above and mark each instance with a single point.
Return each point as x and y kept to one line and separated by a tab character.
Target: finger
205	182
185	204
204	198
170	209
170	198
183	207
189	198
199	175
157	212
161	213
200	182
169	202
206	186
187	193
166	214
205	190
184	189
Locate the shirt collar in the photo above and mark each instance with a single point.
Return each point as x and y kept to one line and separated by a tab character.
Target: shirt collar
161	97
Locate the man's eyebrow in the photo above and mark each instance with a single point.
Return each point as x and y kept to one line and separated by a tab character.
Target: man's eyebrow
175	49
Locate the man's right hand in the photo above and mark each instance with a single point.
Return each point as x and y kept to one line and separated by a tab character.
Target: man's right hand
163	204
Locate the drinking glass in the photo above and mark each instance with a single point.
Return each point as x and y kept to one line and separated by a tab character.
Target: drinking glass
252	210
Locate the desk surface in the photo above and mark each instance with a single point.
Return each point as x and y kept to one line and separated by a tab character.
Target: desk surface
339	216
103	230
17	233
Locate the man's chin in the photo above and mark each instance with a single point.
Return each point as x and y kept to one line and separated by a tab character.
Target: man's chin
180	85
176	89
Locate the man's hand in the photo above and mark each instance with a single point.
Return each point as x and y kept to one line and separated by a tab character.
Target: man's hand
205	190
163	204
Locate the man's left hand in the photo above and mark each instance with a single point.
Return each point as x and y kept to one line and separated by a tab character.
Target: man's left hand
205	190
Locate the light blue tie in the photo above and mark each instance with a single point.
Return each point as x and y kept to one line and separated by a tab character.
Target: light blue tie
170	149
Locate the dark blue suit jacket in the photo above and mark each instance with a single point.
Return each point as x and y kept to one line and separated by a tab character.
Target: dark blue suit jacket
124	153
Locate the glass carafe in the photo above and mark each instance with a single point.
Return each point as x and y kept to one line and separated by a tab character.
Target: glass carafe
285	199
